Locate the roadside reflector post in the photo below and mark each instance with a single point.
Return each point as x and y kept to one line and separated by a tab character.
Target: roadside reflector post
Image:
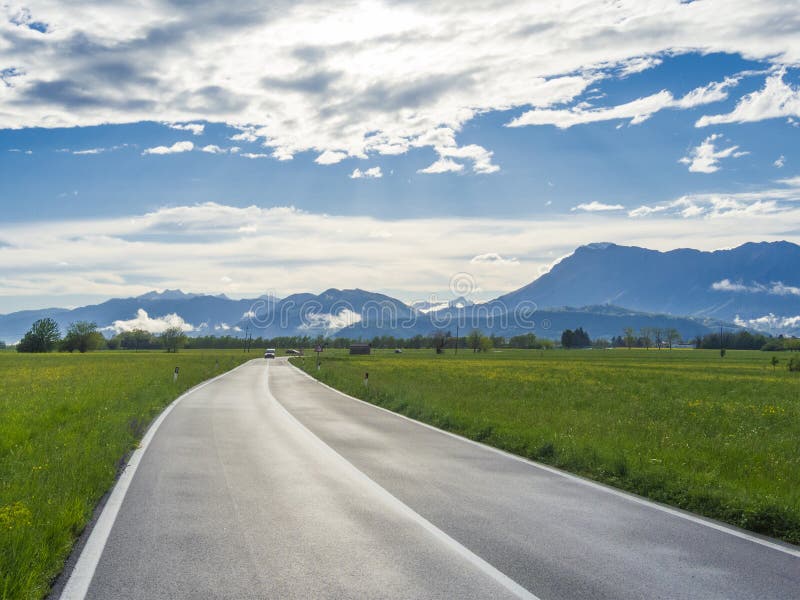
366	379
175	374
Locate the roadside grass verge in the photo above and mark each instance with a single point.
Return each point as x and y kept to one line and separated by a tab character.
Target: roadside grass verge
718	437
67	424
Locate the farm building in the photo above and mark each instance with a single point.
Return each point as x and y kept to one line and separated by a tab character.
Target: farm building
359	349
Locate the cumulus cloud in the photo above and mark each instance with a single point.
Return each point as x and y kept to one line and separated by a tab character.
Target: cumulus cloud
779	162
371	173
330	157
358	79
770	323
330	322
176	148
195	128
776	99
595	206
152	324
254	155
705	157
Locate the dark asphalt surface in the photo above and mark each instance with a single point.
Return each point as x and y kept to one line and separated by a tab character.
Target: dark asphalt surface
235	499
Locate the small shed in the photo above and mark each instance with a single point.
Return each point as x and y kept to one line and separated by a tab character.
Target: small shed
359	349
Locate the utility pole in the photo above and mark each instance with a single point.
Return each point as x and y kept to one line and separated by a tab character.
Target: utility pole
456	338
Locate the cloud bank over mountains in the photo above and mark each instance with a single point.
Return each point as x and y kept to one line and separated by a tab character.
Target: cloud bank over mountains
282	249
374	78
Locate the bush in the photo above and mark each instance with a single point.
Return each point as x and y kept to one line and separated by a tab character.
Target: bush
794	364
774	345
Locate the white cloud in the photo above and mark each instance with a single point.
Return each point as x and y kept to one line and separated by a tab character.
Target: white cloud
779	162
740	205
638	111
358	78
639	64
777	288
195	128
177	147
705	157
770	323
330	157
726	285
595	206
89	151
443	165
493	258
371	173
124	256
254	155
213	149
481	157
776	99
152	324
331	323
93	151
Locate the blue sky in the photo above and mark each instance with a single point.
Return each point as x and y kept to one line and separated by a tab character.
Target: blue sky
151	151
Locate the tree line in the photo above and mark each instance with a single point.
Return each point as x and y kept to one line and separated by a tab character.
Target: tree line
84	336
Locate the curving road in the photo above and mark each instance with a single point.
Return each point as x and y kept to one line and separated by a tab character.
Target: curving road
266	484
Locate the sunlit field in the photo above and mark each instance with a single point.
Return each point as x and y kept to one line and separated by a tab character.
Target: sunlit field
717	436
67	421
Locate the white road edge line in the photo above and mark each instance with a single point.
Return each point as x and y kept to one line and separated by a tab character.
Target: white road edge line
780	547
81	577
486	568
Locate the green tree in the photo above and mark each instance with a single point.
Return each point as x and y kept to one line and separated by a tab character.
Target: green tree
567	338
486	344
672	336
646	335
82	336
630	338
137	339
474	340
43	336
173	338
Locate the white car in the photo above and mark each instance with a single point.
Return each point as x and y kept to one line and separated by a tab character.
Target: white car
270	353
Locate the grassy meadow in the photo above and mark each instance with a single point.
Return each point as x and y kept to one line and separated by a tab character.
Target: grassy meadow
716	436
67	421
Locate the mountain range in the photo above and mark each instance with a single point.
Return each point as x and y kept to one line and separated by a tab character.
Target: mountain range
601	287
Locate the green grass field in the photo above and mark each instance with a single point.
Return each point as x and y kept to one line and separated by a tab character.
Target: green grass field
67	421
720	437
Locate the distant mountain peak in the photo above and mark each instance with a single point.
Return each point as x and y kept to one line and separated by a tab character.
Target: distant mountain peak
755	279
599	246
167	294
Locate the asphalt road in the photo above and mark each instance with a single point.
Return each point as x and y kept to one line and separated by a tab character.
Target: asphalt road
266	484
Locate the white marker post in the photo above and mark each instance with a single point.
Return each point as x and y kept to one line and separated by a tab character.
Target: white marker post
175	374
366	379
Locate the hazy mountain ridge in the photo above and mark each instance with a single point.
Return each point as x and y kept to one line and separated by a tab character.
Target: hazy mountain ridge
601	287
